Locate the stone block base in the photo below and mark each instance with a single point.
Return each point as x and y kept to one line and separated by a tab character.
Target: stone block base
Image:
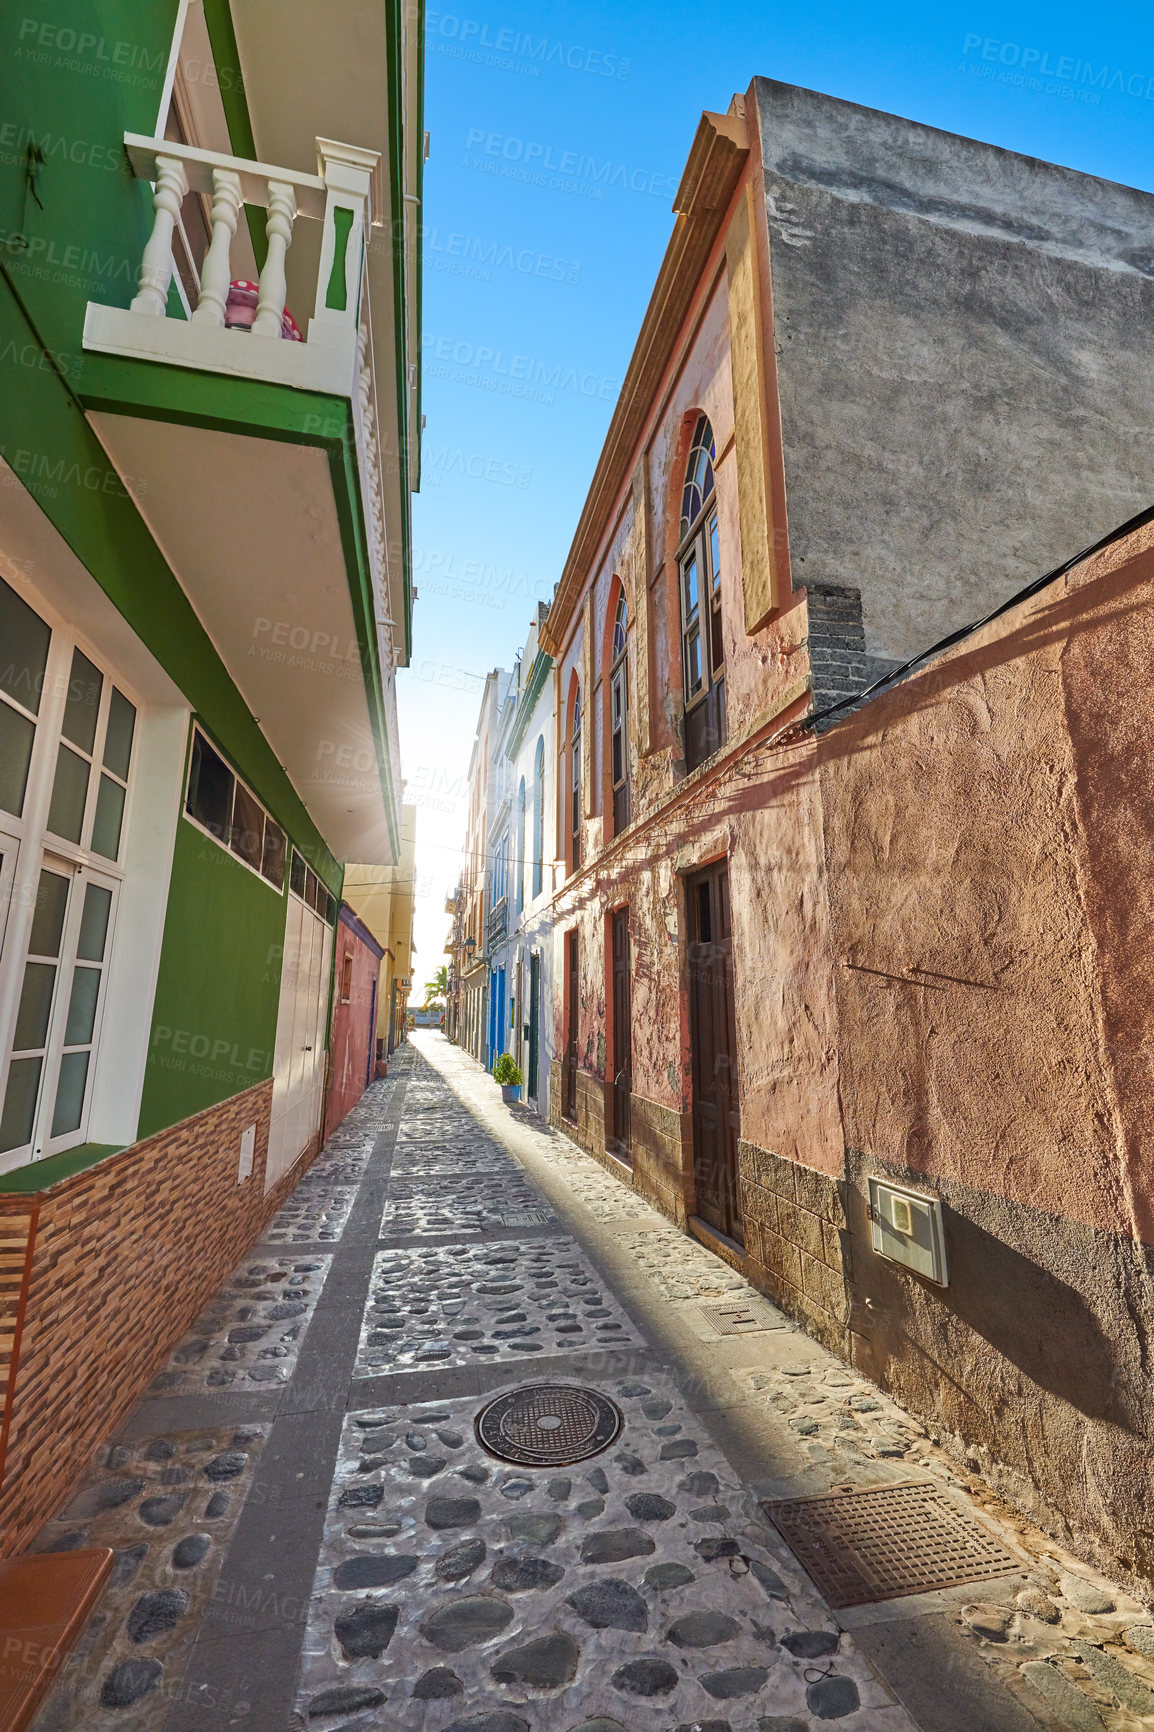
797	1243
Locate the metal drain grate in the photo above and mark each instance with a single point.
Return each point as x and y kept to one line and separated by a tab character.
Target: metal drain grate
732	1317
548	1425
881	1544
526	1218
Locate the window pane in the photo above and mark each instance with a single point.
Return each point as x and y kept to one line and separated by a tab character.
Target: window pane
69	792
210	785
16	736
247	837
716	645
48	920
689	586
24	636
20	1102
82	1006
330	910
118	735
272	861
714	553
35	1006
83	703
69	1107
94	923
693	661
109	817
299	872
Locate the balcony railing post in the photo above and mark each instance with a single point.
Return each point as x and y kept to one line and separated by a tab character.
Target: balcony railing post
348	173
216	273
282	209
156	264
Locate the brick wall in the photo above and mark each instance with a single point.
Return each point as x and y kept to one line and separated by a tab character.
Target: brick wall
796	1240
120	1260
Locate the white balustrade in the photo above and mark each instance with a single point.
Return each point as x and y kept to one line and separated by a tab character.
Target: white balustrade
156	265
338	198
216	273
282	210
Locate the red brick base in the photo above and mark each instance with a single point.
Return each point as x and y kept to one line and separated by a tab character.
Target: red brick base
101	1276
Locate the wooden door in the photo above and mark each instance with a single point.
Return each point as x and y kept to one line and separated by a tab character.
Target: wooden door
569	1104
622	1032
713	1043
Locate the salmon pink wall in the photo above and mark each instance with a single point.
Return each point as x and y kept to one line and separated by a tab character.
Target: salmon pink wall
354	1019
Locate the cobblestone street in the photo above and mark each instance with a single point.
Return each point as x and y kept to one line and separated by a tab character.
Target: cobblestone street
310	1535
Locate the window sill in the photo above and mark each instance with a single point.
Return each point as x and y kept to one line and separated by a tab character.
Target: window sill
40	1175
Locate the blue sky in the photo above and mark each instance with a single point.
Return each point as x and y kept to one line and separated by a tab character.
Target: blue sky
558	136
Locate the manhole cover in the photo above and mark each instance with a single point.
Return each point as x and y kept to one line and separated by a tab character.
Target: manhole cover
548	1425
737	1318
881	1544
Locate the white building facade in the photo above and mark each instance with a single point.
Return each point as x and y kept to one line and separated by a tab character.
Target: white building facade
520	922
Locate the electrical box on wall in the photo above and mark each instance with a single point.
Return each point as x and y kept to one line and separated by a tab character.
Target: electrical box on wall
247	1151
907	1228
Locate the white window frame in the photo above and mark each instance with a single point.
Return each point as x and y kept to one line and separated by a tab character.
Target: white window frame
33	848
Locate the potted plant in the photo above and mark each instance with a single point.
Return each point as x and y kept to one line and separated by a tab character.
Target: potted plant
509	1076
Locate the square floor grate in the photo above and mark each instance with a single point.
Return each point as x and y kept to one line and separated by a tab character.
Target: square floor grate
880	1544
735	1317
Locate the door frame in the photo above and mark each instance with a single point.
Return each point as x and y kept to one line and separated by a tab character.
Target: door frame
618	1117
726	1202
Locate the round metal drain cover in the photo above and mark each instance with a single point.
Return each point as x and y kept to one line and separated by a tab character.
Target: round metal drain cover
548	1425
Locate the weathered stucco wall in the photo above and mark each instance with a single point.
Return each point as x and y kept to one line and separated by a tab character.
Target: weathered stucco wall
987	833
964	362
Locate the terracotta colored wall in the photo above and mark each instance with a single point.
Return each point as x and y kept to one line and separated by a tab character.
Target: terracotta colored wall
352	1027
119	1262
988	832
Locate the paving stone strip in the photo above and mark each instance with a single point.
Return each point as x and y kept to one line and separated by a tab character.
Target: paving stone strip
498	1301
167	1506
171	1502
640	1588
249	1335
460	1202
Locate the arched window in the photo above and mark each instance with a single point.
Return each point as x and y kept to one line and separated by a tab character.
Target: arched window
575	783
539	816
520	866
618	716
699	571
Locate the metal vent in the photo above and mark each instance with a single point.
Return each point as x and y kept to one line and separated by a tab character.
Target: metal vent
881	1544
548	1425
733	1317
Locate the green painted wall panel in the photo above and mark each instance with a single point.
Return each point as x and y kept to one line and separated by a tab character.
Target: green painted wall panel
214	1022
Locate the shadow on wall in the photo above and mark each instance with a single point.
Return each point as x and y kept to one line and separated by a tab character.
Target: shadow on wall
1039	1322
1028	1314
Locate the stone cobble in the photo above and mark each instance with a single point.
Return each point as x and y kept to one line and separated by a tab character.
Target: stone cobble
167	1506
681	1269
639	1589
500	1300
249	1336
476	1201
316	1213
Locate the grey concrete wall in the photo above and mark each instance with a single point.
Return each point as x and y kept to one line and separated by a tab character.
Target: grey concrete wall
965	358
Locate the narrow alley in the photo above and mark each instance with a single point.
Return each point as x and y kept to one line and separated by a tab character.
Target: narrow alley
314	1527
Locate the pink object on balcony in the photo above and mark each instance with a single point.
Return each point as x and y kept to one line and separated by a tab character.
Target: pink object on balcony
240	311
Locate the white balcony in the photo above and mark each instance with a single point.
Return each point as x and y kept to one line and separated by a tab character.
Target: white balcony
277	568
